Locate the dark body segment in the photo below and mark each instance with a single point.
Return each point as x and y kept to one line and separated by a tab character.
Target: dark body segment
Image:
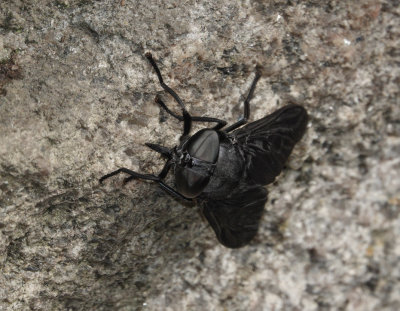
228	170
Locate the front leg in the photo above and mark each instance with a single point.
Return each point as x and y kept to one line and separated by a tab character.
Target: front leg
186	116
156	178
164	151
246	113
130	172
220	123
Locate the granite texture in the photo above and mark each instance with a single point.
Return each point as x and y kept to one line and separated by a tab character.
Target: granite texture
76	101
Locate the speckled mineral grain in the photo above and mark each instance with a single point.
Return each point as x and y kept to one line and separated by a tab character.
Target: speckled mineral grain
77	101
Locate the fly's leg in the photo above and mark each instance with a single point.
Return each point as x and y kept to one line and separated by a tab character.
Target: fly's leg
160	176
186	116
220	123
246	113
156	178
164	151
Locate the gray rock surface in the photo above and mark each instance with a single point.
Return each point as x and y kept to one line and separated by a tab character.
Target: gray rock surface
76	101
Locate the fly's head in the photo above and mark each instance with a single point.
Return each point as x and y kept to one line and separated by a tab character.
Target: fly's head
194	162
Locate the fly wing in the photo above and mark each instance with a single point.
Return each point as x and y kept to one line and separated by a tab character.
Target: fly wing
268	142
235	218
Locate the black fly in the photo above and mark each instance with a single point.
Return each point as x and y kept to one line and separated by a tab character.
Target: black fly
225	169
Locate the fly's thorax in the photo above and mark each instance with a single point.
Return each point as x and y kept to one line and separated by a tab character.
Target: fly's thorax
228	170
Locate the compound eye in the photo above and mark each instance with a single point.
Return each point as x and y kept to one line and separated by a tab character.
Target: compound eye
189	182
204	145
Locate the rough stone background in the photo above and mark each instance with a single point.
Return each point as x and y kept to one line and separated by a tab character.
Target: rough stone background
76	101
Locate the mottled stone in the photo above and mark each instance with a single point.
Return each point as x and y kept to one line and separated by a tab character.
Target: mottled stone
76	101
